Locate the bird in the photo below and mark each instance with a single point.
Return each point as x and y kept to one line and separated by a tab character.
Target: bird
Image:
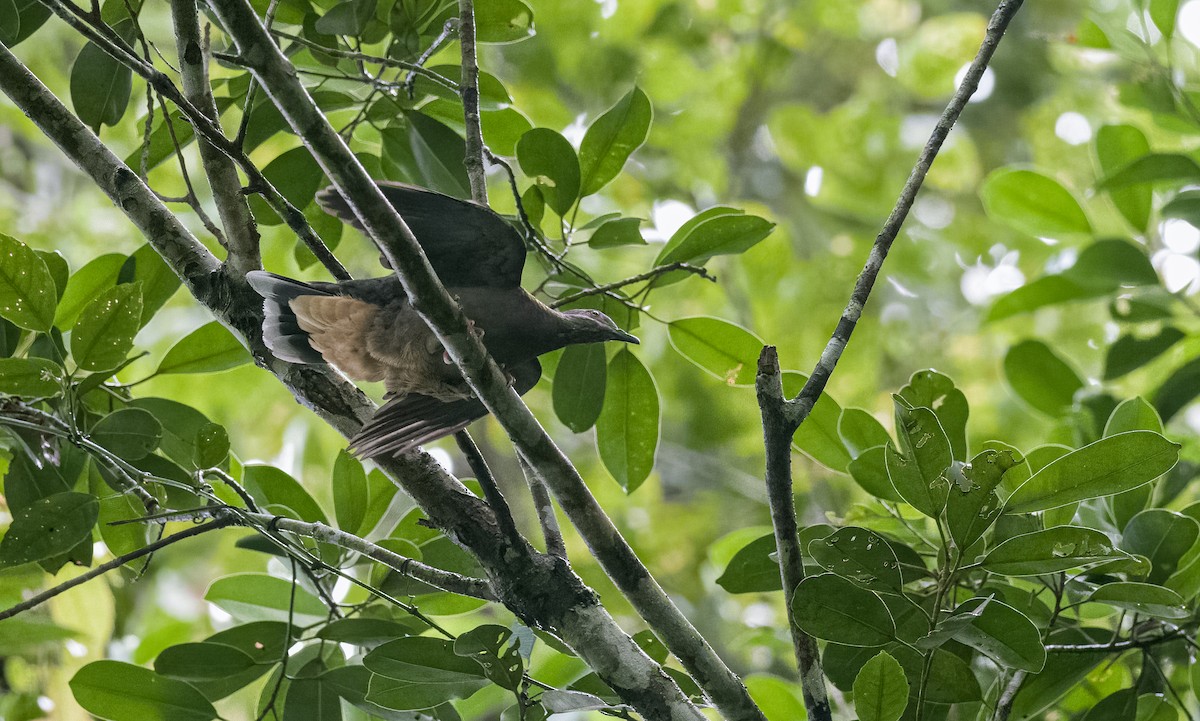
368	330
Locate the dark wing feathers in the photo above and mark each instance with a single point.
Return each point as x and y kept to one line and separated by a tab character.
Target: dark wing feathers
411	420
467	244
281	330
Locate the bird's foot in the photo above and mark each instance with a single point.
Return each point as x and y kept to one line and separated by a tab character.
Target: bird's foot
473	330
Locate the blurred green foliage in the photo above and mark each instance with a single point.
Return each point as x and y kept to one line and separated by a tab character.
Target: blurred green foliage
1049	267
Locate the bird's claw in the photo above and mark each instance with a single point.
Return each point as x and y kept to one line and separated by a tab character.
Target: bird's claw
473	330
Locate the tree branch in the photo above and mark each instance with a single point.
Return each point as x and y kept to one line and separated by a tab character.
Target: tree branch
241	231
114	563
651	274
782	418
430	299
544	507
210	130
469	89
777	440
541	590
799	407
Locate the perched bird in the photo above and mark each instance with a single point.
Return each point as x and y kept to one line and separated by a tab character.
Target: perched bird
369	331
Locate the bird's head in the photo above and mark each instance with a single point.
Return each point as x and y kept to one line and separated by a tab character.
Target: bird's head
592	326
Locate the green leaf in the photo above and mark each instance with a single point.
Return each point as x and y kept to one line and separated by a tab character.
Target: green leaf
834	609
438	153
311	699
1033	203
420	672
727	351
259	597
611	139
1102	268
158	281
60	272
818	435
212	446
1178	390
1162	536
617	232
869	470
49	527
726	234
627	429
119	691
30	377
85	284
919	469
1134	414
1153	168
1116	146
1163	13
27	292
208	349
1040	378
547	157
131	433
296	176
860	431
1184	206
347	18
1049	551
350	495
1003	633
503	21
201	661
1146	599
973	504
936	391
1112	263
488	646
19	19
363	631
880	689
182	426
579	385
861	556
274	487
752	570
1129	352
1110	465
100	85
103	335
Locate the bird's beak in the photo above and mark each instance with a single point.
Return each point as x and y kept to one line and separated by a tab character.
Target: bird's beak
621	335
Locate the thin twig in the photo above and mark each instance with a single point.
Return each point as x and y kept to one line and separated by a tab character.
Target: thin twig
114	563
1005	703
781	418
364	57
469	90
448	30
651	274
204	126
487	481
544	507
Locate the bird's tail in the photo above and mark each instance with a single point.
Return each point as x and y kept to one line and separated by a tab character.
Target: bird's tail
281	330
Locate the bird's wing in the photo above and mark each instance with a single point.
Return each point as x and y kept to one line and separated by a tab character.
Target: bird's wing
408	421
468	244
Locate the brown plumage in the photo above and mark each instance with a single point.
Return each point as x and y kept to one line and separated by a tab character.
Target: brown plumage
369	331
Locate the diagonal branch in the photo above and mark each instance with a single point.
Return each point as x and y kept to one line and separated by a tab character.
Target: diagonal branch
430	299
781	418
539	589
241	231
